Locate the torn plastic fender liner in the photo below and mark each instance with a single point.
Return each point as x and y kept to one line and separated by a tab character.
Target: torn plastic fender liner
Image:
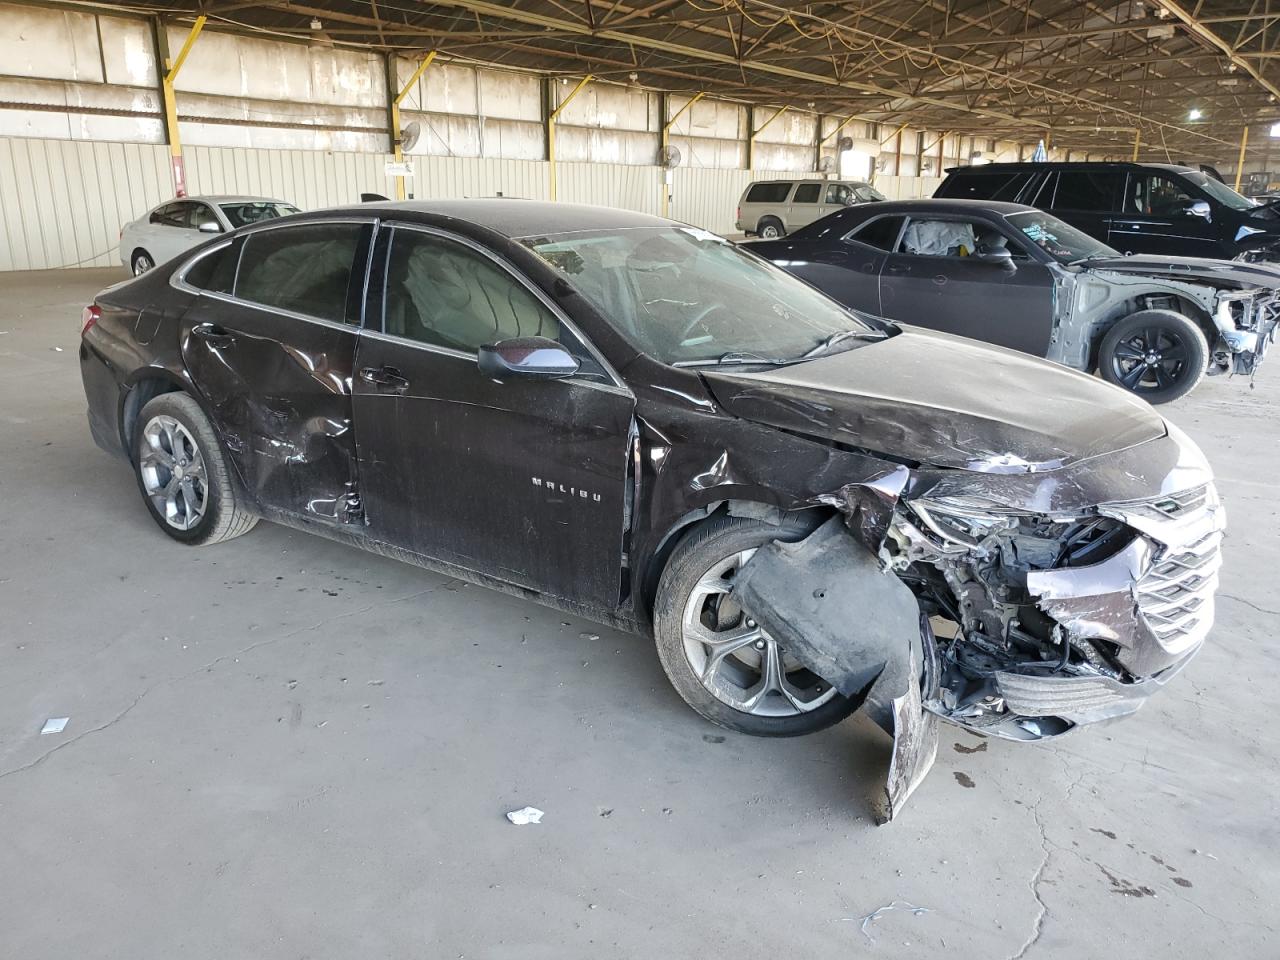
827	601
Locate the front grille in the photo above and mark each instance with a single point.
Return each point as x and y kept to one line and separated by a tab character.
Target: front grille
1172	505
1176	595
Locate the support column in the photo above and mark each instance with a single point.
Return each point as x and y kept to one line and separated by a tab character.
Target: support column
751	140
1137	142
551	131
666	134
397	137
1244	141
169	70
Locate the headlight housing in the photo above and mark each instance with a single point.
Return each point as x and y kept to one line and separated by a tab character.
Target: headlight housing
962	521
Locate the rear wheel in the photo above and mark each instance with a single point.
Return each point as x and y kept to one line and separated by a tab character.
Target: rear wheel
720	661
770	228
1157	354
182	474
142	262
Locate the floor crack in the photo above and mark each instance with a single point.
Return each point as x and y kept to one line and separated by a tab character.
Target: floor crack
1250	603
217	660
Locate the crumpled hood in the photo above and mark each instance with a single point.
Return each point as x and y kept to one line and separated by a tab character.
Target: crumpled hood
944	401
1192	269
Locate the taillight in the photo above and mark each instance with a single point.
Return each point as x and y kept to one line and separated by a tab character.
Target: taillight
88	317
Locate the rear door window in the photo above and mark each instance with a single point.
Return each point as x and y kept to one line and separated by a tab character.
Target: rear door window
881	233
808	193
170	215
305	269
215	272
1088	190
986	186
770	191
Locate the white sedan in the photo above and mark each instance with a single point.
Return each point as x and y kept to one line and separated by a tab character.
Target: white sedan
172	228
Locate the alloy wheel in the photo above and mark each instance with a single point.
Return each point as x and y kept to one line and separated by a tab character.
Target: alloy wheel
737	661
141	264
1154	358
173	473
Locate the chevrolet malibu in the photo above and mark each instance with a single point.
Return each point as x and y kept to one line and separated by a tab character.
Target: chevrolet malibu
811	510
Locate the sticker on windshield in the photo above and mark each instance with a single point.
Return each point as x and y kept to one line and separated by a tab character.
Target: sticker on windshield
699	234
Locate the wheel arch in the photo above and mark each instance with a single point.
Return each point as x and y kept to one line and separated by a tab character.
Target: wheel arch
146	384
1183	305
686	524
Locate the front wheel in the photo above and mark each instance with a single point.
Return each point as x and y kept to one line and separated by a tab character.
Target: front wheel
718	659
1157	354
182	474
142	262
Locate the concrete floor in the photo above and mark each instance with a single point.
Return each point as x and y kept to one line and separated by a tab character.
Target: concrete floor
282	747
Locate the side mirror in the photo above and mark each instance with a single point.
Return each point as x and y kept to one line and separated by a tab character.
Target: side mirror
527	358
210	226
1000	257
1200	208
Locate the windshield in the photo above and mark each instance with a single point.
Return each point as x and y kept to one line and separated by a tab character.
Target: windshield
244	212
1219	191
683	295
1060	240
867	192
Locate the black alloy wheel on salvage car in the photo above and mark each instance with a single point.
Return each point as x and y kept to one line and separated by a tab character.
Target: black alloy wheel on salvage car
1157	354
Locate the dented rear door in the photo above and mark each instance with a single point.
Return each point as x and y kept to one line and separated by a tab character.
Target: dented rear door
273	357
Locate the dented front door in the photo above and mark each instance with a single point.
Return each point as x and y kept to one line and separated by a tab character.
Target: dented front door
277	375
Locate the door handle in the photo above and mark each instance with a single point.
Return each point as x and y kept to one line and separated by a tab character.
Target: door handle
384	376
898	268
213	334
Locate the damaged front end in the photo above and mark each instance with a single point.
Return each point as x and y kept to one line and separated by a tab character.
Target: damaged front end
1246	321
1018	610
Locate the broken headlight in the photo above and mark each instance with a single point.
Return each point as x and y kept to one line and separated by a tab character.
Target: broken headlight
962	521
1235	310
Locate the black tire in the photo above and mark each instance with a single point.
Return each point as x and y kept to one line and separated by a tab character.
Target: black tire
1158	355
770	228
141	262
699	553
219	516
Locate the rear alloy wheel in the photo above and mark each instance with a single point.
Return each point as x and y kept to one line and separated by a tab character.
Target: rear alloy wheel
1157	354
182	474
720	660
142	262
770	228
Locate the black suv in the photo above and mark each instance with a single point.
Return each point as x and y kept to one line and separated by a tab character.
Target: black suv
1135	207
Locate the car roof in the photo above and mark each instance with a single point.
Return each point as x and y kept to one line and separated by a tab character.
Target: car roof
223	198
507	216
999	208
1073	164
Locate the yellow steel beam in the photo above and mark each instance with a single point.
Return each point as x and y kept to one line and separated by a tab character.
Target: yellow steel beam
1244	142
751	140
665	139
396	137
1137	142
171	69
551	132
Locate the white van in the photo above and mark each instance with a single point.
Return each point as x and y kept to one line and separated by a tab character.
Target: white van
773	208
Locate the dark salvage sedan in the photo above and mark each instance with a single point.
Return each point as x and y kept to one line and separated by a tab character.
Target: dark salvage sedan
1018	277
810	509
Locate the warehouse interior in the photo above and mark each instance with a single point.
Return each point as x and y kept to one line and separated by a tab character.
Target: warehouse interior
284	746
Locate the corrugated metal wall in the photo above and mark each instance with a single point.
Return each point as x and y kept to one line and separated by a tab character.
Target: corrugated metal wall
62	202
